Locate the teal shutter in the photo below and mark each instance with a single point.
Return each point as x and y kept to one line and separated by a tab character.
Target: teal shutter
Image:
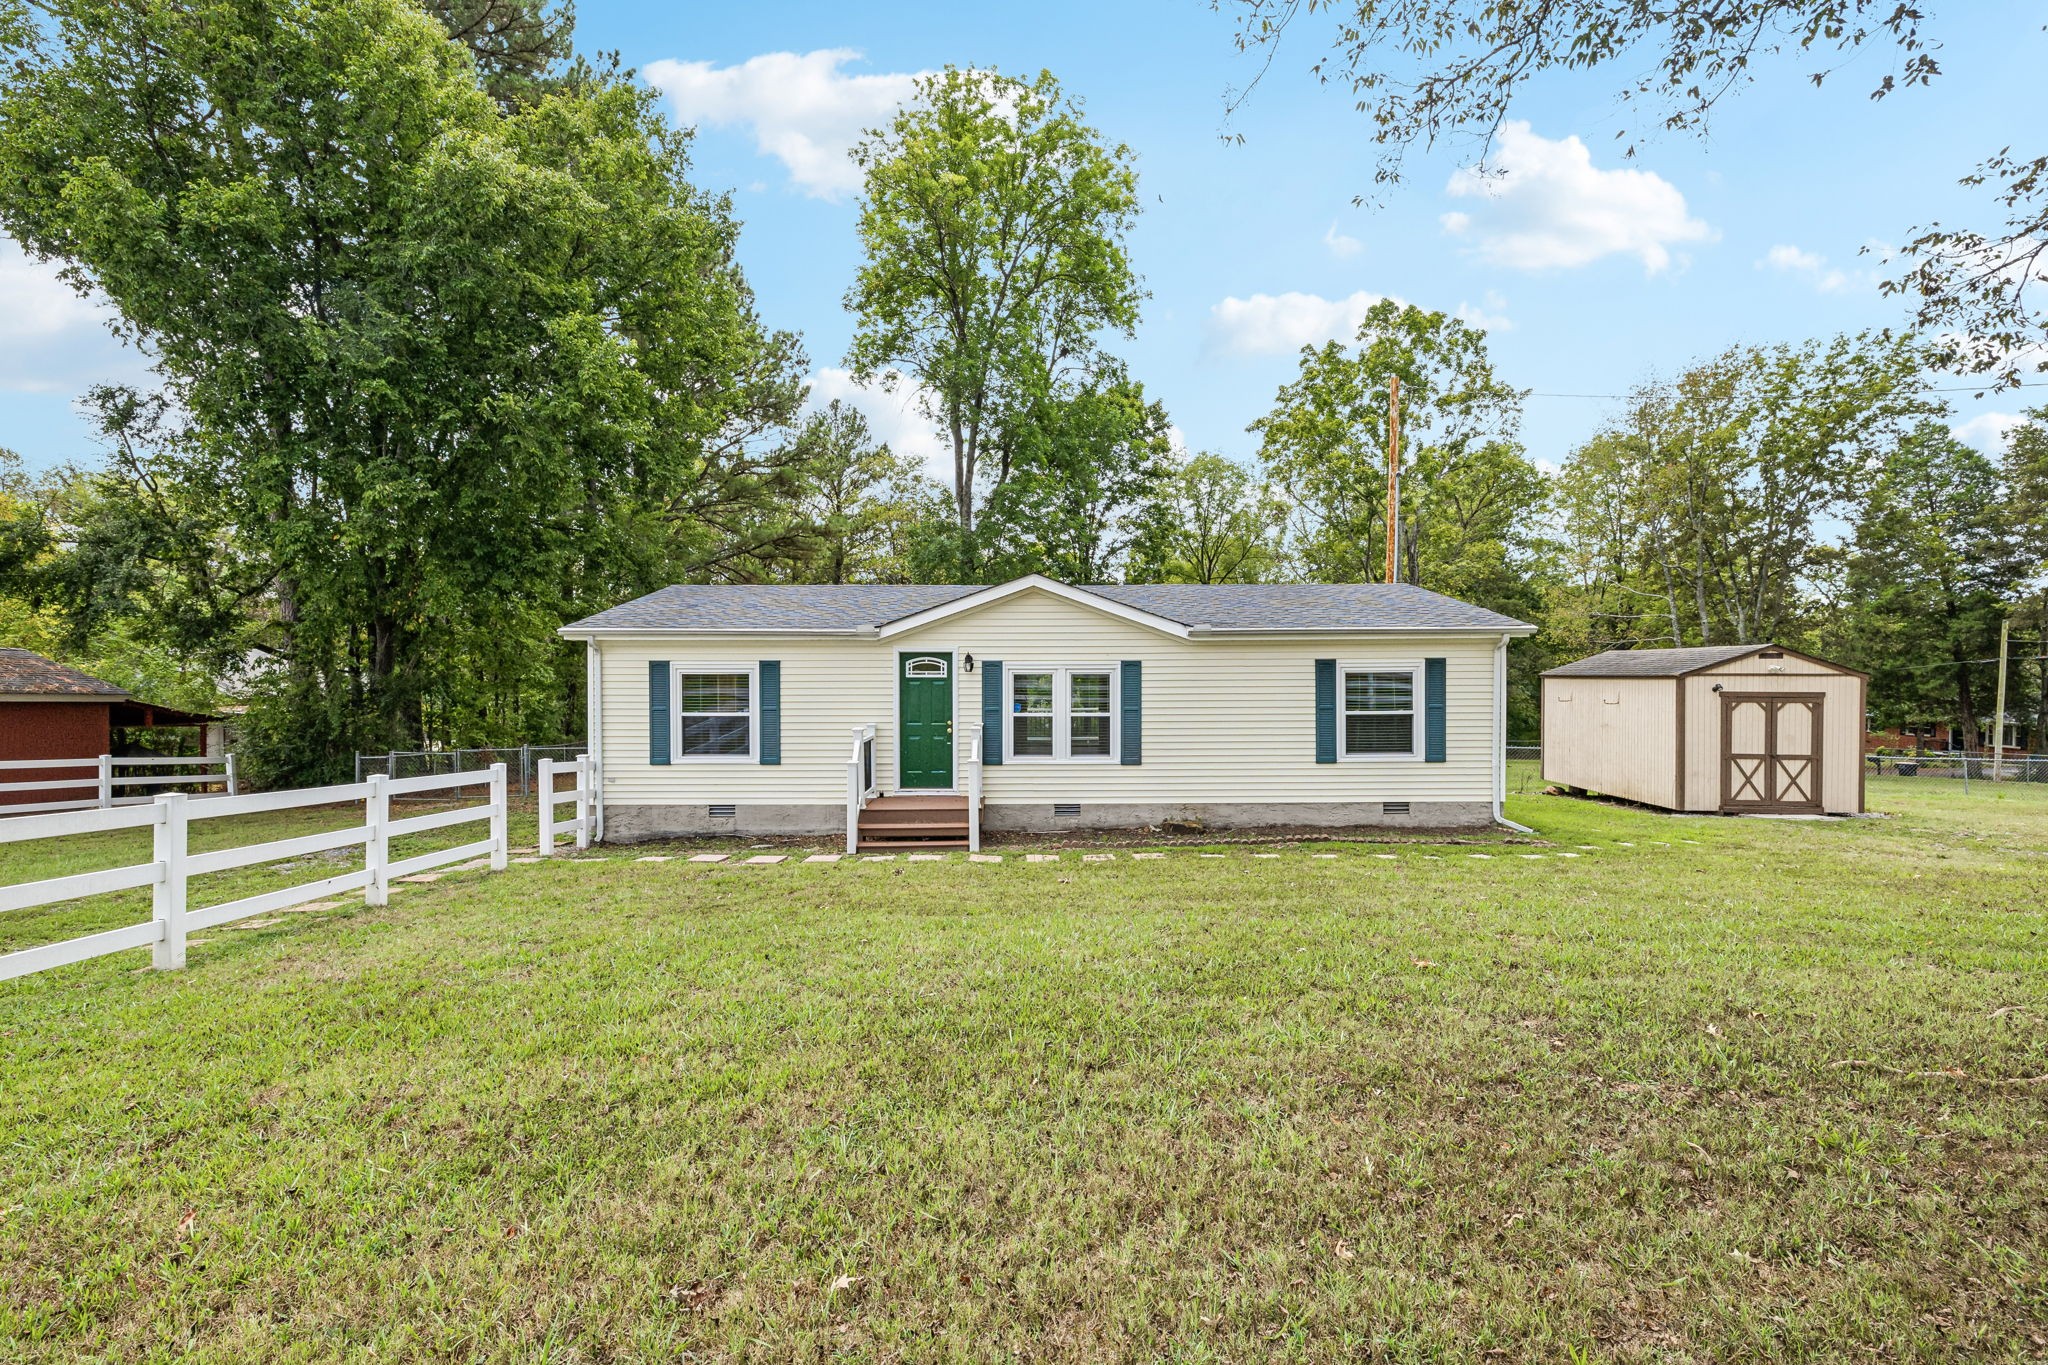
1326	710
771	711
992	711
657	711
1133	739
1433	710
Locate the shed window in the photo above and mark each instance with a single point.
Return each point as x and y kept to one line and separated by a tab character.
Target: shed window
1379	712
714	714
1062	713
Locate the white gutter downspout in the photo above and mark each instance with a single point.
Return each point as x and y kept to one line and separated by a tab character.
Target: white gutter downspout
1500	736
593	725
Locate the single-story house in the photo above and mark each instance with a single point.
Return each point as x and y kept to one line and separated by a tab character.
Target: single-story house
50	710
1735	729
924	714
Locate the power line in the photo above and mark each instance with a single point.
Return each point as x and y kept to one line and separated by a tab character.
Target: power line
1966	388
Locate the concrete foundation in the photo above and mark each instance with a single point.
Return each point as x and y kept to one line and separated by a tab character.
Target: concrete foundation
630	824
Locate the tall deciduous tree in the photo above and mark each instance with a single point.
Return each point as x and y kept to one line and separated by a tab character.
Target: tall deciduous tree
1211	521
859	501
994	221
429	372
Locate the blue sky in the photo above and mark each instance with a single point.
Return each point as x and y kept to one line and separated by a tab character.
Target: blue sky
1590	271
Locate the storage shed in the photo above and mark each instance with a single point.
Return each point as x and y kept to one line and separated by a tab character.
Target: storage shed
50	710
1738	729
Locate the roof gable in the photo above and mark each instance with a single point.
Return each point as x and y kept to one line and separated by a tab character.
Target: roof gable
25	673
1672	663
1091	598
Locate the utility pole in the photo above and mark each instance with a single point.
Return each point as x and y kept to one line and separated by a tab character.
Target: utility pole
1998	707
1393	477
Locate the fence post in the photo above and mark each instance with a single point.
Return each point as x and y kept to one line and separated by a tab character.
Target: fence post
525	769
391	765
499	792
544	791
167	898
377	850
106	781
583	802
233	788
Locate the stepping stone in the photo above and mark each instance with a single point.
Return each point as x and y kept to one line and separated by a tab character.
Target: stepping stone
769	858
253	924
1148	855
984	857
1688	841
1567	855
1098	857
1388	856
310	908
709	857
653	858
1626	843
879	858
473	865
1041	857
1587	848
824	857
1478	855
1528	855
1213	855
1265	855
1325	855
422	877
927	857
526	860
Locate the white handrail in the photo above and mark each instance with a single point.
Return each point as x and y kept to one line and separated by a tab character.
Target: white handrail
860	785
974	788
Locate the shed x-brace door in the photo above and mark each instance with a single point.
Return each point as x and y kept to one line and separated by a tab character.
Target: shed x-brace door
1770	752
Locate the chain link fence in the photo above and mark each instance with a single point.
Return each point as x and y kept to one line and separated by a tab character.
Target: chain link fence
522	762
1967	769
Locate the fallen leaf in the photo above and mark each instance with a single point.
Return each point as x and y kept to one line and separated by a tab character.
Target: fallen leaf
1343	1250
1424	963
185	1223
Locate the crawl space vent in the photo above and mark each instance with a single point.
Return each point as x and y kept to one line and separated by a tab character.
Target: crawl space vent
1066	810
722	812
1393	808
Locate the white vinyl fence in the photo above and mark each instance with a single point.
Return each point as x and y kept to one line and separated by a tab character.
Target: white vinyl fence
583	824
169	871
106	783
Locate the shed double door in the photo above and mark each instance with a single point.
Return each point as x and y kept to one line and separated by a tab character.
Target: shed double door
1770	752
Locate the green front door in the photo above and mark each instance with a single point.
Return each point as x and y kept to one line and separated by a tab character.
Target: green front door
924	710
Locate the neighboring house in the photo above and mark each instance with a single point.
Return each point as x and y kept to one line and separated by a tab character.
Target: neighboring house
1739	729
925	714
50	710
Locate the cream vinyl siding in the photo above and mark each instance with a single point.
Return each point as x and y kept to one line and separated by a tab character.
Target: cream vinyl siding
1841	777
1618	736
1224	719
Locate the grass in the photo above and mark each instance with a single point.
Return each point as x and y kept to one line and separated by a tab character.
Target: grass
1711	1090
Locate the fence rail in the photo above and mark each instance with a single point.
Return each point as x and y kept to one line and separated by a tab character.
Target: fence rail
106	783
521	761
171	867
584	823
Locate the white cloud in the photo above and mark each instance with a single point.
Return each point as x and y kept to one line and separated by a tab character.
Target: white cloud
1814	267
804	110
1542	204
1488	315
896	418
1342	245
52	339
1281	324
1988	430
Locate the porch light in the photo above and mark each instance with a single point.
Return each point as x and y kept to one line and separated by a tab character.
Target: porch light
966	663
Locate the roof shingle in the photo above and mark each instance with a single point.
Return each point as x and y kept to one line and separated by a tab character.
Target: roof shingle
25	673
1335	607
1651	663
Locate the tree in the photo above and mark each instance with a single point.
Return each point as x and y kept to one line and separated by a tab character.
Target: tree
994	222
430	372
1211	521
859	500
1325	443
1428	71
1929	575
517	44
1080	471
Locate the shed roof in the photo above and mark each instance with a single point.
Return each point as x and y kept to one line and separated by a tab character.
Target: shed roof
1657	663
847	608
25	673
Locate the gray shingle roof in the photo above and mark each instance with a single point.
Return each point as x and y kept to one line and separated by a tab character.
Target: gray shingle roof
1238	606
25	673
1651	663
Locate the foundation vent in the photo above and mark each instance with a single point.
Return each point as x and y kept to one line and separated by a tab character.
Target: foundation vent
1066	810
725	811
1393	808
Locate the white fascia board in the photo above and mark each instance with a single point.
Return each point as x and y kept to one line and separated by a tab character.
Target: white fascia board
1040	583
661	633
1451	632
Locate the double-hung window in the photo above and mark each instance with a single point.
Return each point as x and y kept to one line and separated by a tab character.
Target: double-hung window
714	713
1379	712
1062	713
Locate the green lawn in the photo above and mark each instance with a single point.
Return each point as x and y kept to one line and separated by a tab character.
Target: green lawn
1710	1090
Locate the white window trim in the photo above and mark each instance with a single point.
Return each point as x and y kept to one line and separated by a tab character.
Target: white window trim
675	712
1413	668
1062	717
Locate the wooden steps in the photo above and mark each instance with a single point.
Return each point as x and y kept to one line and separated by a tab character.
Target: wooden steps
914	822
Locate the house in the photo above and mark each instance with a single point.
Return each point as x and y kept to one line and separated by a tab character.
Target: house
1738	729
924	714
49	710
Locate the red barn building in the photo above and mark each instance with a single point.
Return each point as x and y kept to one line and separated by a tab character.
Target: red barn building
50	710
